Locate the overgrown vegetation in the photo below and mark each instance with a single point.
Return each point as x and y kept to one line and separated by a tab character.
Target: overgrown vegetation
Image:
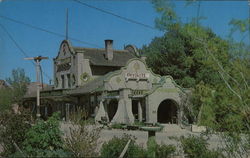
44	139
155	150
197	147
13	131
82	140
15	90
217	69
115	146
18	83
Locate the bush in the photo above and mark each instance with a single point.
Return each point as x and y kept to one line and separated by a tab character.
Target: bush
44	139
196	147
82	140
116	145
13	130
155	150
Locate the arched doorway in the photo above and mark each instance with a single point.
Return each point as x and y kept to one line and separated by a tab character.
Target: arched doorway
112	108
167	112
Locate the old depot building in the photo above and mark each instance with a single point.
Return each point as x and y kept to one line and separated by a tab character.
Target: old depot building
115	85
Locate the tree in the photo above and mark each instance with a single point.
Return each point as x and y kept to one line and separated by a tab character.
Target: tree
18	82
179	54
13	93
6	96
218	70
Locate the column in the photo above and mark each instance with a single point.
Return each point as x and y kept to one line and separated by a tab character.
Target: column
101	113
139	111
124	112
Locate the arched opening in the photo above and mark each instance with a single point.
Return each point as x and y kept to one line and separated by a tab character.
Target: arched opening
167	112
112	108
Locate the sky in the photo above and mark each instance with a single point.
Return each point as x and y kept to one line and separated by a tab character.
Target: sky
92	26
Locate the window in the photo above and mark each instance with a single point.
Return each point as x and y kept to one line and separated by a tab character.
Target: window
56	82
73	80
62	81
68	79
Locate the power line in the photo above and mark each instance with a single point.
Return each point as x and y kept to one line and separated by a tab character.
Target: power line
48	31
20	48
115	15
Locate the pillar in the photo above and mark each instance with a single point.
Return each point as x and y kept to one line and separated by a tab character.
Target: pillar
101	112
124	111
139	111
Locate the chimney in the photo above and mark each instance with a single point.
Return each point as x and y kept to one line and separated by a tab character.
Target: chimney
109	49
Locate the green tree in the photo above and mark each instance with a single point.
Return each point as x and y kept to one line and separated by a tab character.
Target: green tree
217	69
18	83
180	54
15	90
6	96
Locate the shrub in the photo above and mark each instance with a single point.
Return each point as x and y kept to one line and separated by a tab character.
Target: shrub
115	146
44	139
156	150
82	140
196	147
165	150
13	130
83	136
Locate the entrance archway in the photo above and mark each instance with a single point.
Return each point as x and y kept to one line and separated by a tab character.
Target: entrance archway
167	112
112	108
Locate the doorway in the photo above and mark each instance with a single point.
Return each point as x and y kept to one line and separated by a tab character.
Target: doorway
112	108
167	112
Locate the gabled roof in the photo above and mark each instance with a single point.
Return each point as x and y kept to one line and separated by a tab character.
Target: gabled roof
97	56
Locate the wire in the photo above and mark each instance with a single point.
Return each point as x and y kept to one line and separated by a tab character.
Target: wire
20	48
115	15
45	30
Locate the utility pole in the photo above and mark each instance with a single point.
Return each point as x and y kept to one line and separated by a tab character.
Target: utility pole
67	24
37	61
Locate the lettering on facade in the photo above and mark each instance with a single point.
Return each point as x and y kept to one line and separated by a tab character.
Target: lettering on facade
136	76
64	64
138	92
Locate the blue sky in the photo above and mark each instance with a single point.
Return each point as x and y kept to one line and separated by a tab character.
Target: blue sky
94	27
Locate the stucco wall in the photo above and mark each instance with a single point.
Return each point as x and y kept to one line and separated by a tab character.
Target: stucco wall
120	79
169	90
